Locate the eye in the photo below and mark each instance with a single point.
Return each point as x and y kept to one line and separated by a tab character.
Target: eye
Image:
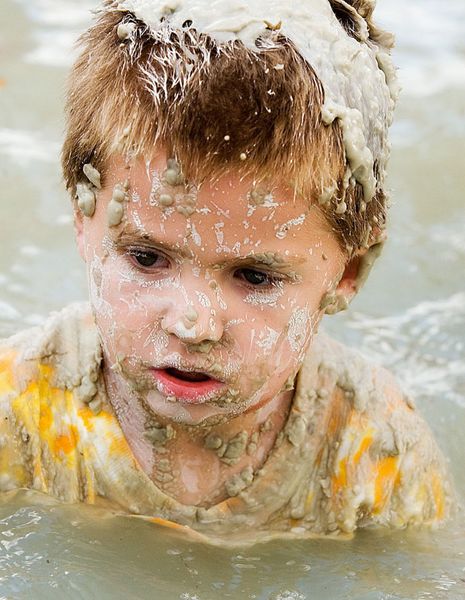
256	278
148	259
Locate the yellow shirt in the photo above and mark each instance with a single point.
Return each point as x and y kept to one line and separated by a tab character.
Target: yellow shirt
353	452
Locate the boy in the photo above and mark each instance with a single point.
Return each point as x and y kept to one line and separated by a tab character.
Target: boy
227	165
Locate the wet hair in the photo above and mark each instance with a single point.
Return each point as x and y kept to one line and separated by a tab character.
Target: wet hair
215	107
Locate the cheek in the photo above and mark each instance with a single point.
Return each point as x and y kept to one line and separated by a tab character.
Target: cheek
123	303
273	347
300	331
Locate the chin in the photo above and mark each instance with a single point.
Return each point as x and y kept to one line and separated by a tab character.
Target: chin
200	415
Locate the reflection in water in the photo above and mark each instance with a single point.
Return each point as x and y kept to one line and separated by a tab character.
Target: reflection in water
411	317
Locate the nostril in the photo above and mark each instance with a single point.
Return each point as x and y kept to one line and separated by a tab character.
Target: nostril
193	325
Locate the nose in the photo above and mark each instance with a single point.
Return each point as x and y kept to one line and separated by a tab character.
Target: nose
194	323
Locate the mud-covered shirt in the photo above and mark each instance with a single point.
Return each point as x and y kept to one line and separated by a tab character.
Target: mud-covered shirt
354	452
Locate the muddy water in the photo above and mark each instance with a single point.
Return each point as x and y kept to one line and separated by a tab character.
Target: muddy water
411	317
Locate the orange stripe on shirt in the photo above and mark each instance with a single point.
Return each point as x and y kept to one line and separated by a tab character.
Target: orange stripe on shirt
386	475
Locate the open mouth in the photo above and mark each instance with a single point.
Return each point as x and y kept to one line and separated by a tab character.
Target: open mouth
187	386
192	376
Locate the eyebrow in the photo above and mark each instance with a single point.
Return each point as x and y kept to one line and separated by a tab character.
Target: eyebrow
131	235
276	260
269	259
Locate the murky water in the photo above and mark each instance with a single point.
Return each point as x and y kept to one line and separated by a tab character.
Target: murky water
411	316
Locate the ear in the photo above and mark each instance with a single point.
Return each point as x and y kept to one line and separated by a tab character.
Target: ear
354	276
348	284
79	232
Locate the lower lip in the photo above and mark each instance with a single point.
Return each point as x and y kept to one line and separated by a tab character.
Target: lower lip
191	392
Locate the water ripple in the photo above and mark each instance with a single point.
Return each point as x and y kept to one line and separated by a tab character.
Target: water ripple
424	345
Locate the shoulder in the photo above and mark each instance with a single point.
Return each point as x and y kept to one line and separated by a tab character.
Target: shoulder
367	387
53	334
46	373
383	465
65	348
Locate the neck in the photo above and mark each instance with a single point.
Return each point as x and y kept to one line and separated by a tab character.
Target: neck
201	464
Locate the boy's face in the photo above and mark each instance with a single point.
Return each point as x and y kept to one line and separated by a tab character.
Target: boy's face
206	300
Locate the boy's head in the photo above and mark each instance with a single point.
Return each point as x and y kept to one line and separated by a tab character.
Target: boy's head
228	163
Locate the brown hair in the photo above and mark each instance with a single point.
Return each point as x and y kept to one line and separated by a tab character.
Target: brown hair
211	105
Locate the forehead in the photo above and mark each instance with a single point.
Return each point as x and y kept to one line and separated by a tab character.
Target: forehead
228	212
